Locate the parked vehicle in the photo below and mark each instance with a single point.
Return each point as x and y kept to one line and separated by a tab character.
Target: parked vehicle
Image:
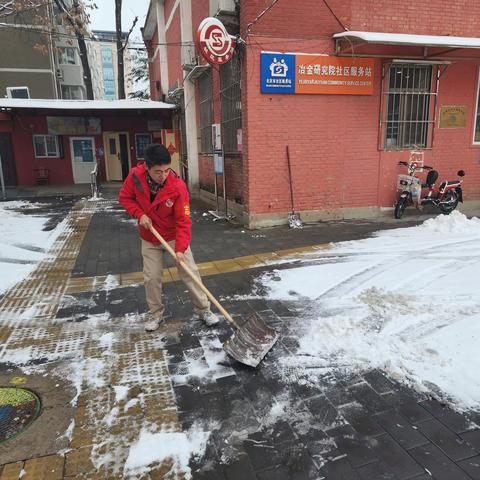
445	197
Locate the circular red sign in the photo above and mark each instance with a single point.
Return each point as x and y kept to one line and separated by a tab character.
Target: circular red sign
214	42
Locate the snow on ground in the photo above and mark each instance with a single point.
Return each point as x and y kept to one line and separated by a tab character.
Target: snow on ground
158	447
406	301
23	243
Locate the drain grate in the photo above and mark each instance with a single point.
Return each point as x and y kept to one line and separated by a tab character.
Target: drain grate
18	409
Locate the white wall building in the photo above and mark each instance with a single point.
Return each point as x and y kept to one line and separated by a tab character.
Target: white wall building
69	71
102	55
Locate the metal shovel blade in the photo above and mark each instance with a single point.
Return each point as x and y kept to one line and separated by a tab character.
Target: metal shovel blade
251	341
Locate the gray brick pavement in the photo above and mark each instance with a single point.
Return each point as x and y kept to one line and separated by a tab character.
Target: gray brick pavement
365	427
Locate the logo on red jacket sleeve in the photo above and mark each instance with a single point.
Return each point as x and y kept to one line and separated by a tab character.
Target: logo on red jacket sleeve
186	209
168	203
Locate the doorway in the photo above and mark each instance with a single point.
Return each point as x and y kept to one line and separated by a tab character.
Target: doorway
117	155
82	150
8	160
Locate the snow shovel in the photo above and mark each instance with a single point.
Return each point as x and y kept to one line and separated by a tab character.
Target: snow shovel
251	340
293	218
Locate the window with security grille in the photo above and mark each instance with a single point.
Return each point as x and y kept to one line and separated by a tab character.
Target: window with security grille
206	113
476	139
409	118
231	101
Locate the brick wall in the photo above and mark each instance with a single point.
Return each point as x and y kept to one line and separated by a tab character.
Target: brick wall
174	50
333	139
154	74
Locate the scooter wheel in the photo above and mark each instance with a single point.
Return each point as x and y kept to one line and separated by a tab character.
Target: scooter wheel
451	202
400	207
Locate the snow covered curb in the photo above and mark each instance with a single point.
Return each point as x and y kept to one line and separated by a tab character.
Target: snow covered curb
406	301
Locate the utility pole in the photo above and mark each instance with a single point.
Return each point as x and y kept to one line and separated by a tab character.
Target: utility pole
120	66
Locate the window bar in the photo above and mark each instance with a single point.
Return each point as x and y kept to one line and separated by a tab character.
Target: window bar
382	133
412	113
395	125
423	112
418	117
422	97
437	82
402	102
425	109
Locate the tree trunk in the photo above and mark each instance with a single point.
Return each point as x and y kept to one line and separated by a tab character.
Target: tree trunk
87	74
120	67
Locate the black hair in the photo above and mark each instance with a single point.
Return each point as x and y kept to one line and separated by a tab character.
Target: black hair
157	154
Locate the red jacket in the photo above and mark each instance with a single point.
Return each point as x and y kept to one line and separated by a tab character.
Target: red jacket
169	212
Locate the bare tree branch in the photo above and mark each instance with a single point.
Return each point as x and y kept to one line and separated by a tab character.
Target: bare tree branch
129	33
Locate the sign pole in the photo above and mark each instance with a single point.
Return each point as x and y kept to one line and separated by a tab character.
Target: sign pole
2	180
216	195
217	170
224	182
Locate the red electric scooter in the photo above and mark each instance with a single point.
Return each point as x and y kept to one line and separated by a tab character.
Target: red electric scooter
445	197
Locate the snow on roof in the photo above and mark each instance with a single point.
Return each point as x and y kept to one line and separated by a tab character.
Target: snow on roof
407	39
127	104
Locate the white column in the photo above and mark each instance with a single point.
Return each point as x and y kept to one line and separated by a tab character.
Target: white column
162	48
189	97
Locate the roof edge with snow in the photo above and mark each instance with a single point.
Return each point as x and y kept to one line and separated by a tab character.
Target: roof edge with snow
409	39
52	104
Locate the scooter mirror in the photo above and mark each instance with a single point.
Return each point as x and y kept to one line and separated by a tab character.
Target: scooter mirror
461	173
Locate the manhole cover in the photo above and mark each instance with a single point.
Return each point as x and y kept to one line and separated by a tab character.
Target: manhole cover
18	409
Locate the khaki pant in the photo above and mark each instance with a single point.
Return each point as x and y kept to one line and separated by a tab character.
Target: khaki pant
152	274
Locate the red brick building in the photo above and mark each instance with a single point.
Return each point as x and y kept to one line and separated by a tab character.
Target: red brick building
372	81
59	142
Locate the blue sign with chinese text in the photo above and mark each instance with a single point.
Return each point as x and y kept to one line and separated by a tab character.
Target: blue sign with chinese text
277	73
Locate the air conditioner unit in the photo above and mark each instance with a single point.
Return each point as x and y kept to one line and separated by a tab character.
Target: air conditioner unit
189	58
18	92
218	7
59	73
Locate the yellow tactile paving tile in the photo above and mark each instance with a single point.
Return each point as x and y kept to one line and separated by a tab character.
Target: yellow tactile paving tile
11	471
78	461
174	274
206	269
40	293
166	276
226	266
249	261
131	278
83	436
44	468
267	257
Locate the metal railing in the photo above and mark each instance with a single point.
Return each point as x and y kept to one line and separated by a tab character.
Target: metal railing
94	182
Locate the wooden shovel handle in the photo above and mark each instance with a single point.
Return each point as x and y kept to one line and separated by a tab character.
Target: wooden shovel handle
197	280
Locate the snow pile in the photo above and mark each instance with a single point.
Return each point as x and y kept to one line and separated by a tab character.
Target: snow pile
455	223
23	243
178	447
406	301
